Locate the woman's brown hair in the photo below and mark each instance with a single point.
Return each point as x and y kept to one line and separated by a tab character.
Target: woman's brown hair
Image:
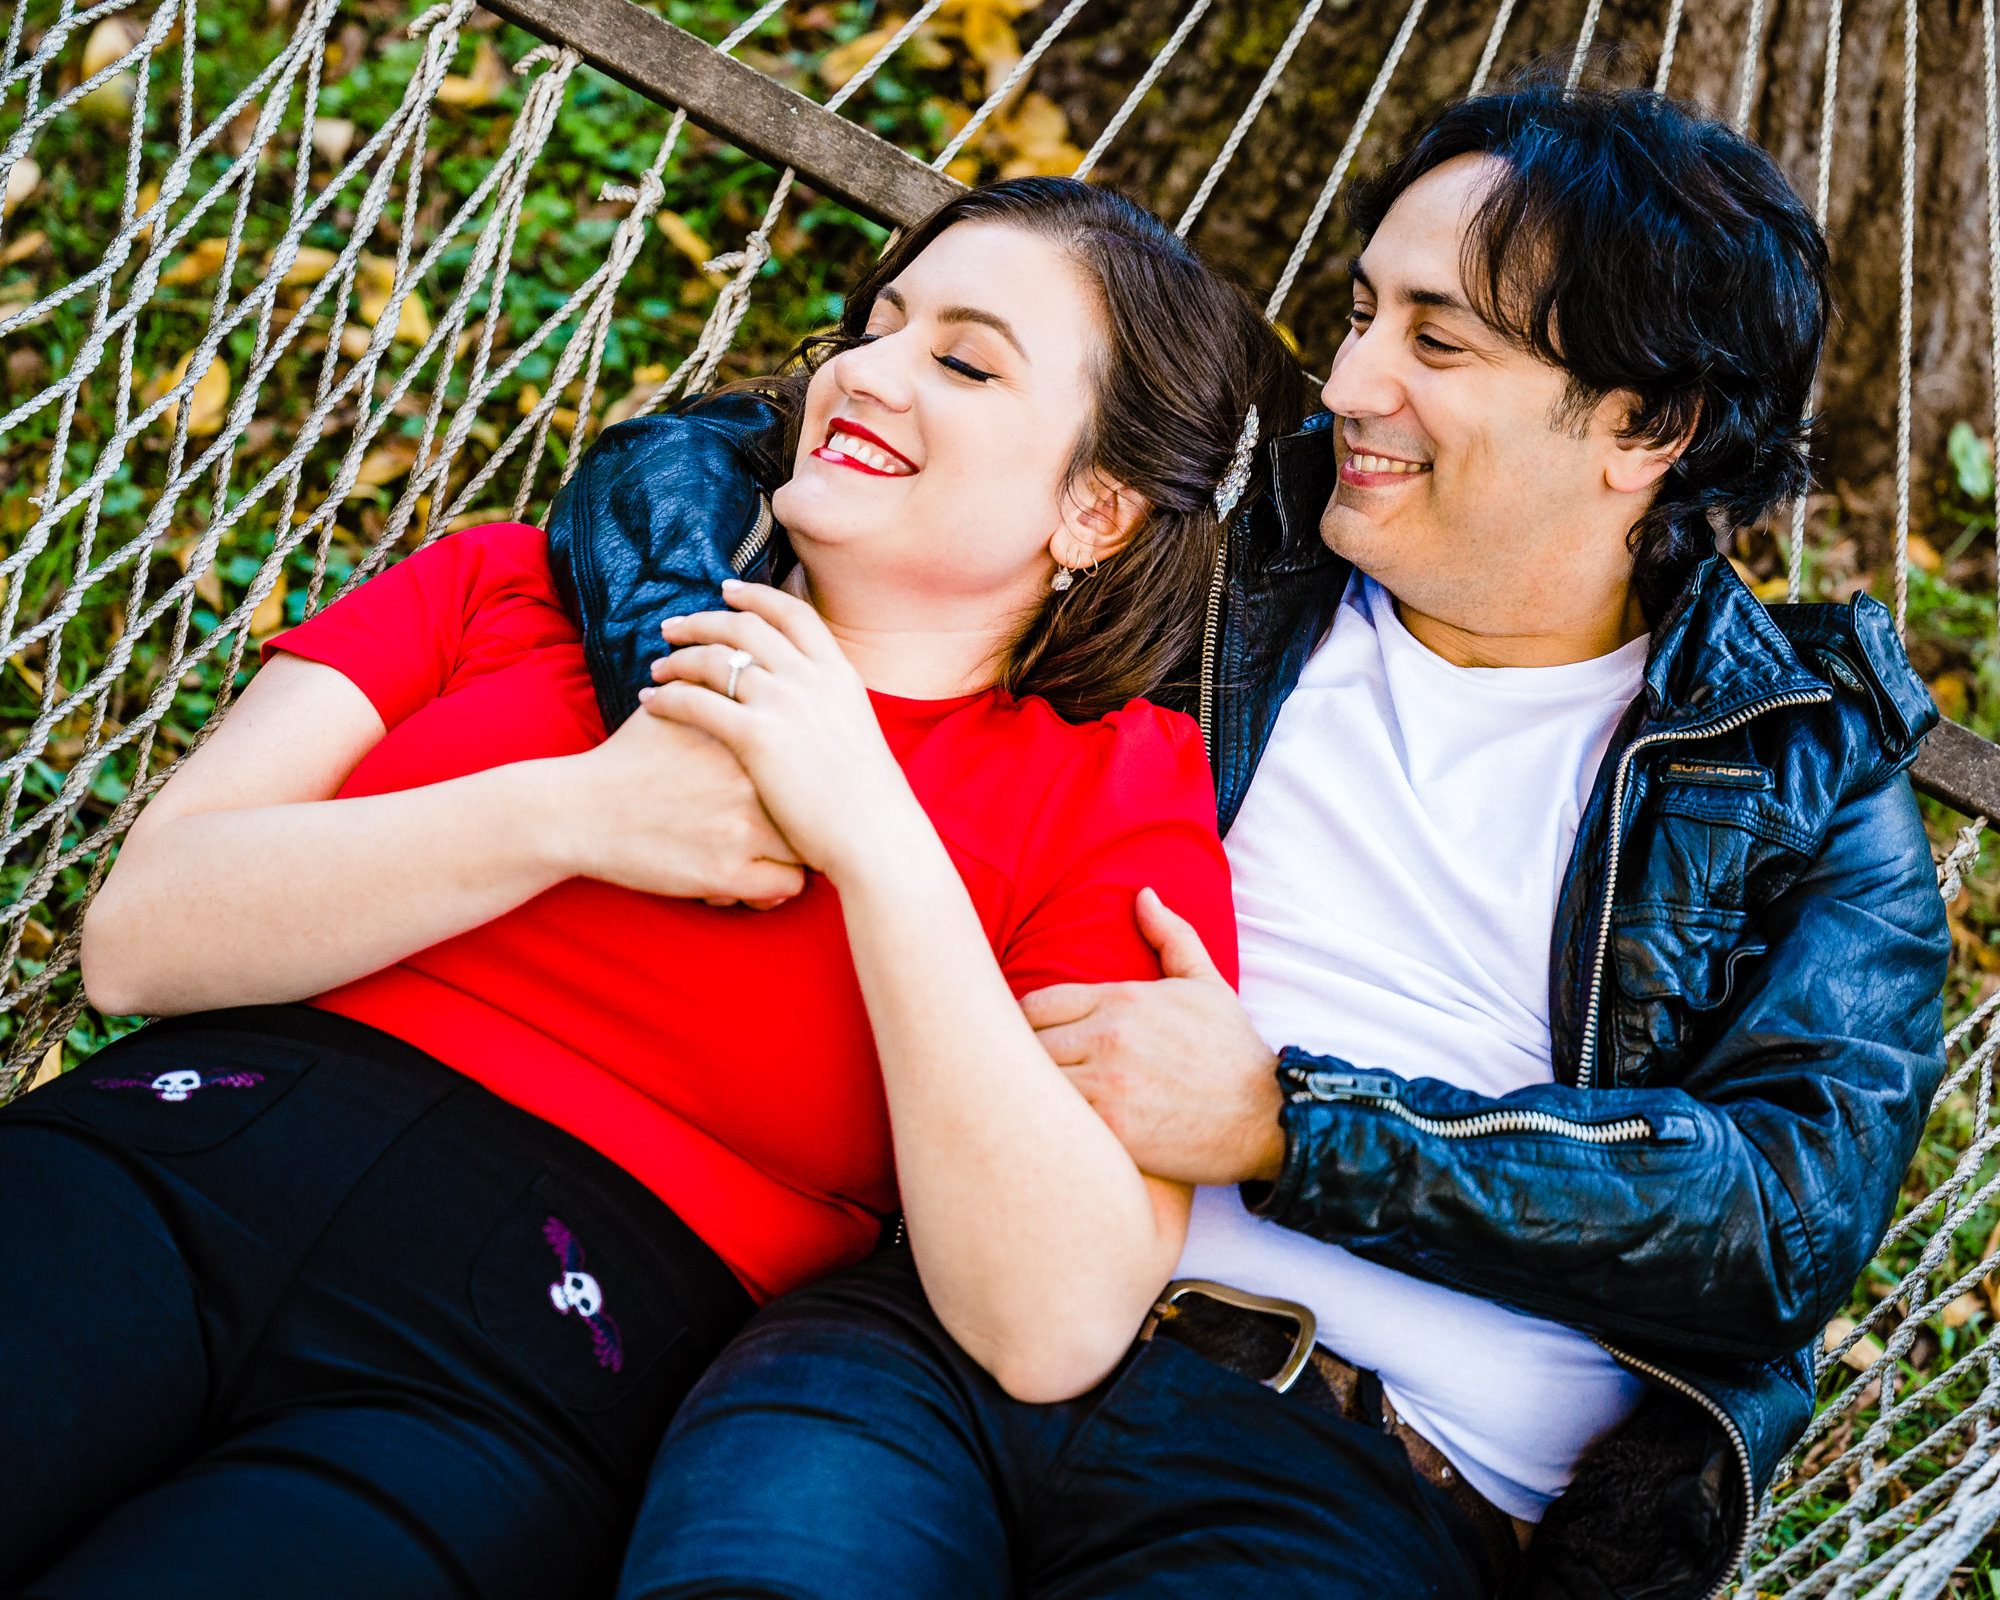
1185	356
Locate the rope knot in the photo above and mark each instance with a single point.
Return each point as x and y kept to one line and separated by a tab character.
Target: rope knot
755	252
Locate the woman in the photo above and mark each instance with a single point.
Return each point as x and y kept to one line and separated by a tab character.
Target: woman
392	1292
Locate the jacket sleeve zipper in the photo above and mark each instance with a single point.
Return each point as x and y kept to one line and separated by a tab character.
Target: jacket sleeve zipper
1375	1089
1587	1060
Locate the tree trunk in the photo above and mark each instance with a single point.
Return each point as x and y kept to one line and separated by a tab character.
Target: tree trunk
1267	194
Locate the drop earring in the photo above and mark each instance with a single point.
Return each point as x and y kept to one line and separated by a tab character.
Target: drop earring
1064	577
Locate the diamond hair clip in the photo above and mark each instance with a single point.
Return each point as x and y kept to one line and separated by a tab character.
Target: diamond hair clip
1237	478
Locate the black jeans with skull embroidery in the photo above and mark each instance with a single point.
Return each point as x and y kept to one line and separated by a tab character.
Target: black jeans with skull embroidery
290	1308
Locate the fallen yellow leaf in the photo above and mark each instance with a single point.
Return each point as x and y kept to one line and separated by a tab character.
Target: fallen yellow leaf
483	84
681	235
1924	554
1951	695
203	261
1039	133
373	284
309	266
841	63
149	194
206	403
989	37
23	179
108	41
29	675
386	463
20	249
111	101
479	519
269	616
528	399
333	137
1772	591
1866	1351
1962	1310
50	1068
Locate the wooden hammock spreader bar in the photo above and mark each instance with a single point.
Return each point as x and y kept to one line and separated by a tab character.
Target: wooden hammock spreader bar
1961	769
738	103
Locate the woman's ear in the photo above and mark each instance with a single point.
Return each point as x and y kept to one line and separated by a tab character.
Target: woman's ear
1098	515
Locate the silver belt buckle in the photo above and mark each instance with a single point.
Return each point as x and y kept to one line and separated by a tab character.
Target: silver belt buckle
1244	1300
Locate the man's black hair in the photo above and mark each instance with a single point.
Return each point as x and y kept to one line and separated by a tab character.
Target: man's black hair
1637	244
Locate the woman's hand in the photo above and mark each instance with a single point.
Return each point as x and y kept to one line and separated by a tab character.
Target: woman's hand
800	723
668	811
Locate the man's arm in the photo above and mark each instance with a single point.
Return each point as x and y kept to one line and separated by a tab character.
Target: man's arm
1736	1221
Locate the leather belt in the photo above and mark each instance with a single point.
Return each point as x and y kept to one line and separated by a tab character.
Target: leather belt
1274	1342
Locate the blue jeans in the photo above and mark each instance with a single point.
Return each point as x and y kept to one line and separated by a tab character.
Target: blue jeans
844	1448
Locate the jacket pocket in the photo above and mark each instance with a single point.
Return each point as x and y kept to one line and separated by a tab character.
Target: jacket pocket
1674	964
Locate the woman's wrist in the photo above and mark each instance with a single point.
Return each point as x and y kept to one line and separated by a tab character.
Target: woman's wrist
890	845
544	806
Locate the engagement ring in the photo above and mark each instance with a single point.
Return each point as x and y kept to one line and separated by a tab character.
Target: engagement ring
738	660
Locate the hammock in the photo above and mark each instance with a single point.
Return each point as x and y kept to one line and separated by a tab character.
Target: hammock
1898	1479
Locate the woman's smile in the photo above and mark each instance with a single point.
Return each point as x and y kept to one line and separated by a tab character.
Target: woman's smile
848	444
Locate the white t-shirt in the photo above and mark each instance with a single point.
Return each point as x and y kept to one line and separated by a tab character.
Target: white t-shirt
1397	863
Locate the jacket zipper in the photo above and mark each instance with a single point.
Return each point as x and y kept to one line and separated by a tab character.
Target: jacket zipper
754	541
1587	1062
1735	1435
1381	1091
1211	630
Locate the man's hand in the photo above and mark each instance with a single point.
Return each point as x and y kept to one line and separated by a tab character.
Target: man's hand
1174	1067
667	810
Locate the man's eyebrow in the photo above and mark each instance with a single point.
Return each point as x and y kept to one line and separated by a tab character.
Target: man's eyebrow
985	319
1442	299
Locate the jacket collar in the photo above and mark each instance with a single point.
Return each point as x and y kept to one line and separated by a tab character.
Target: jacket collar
1717	652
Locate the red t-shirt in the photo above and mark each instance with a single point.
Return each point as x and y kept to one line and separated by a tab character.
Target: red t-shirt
723	1055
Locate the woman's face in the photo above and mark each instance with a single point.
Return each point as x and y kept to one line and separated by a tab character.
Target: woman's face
934	459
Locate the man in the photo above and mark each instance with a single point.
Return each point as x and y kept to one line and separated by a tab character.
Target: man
1590	941
1668	1137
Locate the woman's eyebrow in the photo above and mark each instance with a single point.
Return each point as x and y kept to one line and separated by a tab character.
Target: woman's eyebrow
986	319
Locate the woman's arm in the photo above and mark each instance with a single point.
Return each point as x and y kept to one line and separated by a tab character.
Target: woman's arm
1041	1244
244	882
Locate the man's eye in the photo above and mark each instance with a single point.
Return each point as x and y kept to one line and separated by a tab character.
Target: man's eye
1437	347
964	369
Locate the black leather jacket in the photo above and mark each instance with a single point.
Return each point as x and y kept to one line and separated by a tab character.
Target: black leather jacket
1746	965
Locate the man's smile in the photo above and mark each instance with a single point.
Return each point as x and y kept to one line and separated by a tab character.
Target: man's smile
1363	469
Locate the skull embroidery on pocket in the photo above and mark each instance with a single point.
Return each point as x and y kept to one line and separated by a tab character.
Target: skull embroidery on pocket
576	1290
174	1087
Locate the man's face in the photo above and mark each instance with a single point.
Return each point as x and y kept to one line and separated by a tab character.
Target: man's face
1463	489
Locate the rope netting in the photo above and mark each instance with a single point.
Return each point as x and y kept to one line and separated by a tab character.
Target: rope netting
404	388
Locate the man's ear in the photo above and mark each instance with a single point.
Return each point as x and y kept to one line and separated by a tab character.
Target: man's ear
1098	515
1634	466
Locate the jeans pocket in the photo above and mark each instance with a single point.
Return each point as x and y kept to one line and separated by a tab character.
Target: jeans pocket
177	1093
566	1288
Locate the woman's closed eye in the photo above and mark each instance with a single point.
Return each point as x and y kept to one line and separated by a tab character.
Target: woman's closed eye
965	369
